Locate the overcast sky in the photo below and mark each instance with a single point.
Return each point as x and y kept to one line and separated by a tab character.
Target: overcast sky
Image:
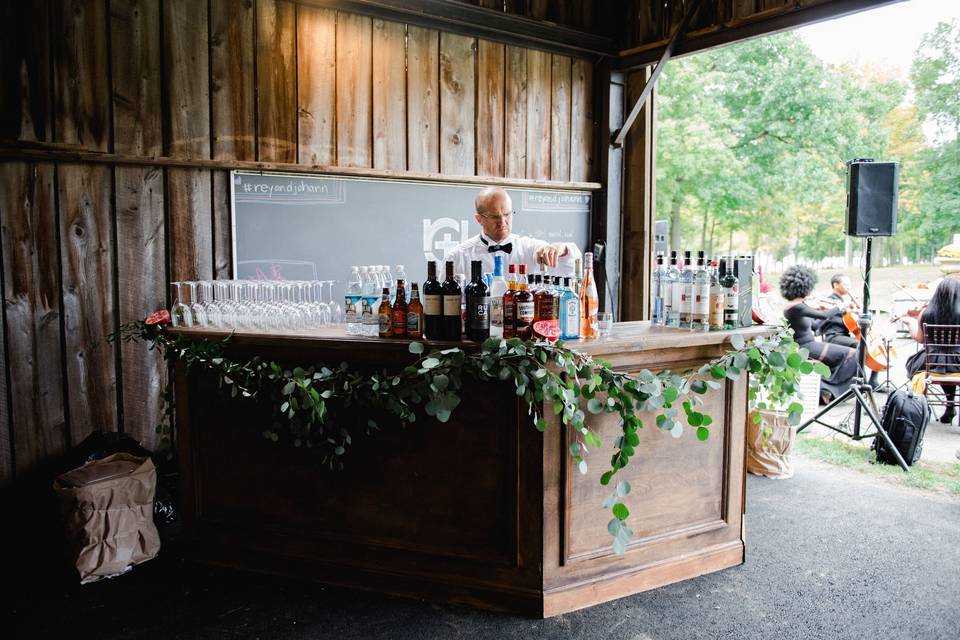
885	36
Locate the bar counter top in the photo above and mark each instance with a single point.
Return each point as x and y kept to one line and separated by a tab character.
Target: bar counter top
625	338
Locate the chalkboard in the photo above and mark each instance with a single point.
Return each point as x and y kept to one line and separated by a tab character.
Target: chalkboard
315	227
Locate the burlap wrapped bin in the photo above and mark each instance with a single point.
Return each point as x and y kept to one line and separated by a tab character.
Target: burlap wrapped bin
107	508
769	445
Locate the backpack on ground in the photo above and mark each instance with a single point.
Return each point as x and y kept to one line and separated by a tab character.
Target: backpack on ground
905	418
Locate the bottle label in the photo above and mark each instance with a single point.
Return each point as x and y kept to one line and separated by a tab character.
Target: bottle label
716	309
478	312
677	296
432	305
732	300
350	309
571	318
701	300
413	323
525	312
496	311
368	313
666	296
385	324
451	306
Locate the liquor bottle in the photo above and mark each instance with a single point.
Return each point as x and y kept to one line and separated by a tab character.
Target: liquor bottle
414	314
700	318
401	274
716	297
657	316
686	292
497	290
523	320
399	310
589	301
569	312
731	294
385	315
536	285
478	304
462	282
577	275
510	305
557	291
542	301
452	295
671	295
432	304
351	305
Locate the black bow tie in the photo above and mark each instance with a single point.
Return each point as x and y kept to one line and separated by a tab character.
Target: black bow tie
493	248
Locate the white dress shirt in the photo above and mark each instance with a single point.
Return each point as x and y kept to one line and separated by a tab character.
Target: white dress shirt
523	251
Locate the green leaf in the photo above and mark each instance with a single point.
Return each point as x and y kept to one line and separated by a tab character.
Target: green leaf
415	347
582	467
794	360
606	477
718	372
695	419
670	394
737	341
699	386
594	405
542	424
703	433
806	367
623	488
756	417
619	546
441	381
822	369
430	363
775	359
620	511
289	387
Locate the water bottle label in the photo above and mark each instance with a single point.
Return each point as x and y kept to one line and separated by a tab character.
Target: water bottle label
496	311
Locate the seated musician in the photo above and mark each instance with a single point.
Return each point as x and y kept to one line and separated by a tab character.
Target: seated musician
943	308
832	329
796	284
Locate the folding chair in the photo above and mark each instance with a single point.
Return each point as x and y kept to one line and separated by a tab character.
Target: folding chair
941	363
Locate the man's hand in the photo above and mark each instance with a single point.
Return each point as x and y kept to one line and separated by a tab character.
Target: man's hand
551	253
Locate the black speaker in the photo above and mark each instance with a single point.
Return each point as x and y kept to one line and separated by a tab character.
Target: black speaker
872	198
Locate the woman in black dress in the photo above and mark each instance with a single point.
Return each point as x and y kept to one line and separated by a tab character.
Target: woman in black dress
943	308
796	284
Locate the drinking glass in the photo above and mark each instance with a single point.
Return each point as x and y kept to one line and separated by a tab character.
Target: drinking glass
604	323
196	305
180	315
336	311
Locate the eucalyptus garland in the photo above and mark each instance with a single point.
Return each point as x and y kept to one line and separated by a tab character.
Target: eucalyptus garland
307	401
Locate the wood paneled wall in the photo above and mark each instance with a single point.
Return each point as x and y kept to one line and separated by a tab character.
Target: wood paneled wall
89	242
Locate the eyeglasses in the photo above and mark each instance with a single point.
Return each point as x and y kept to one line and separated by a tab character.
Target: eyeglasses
503	216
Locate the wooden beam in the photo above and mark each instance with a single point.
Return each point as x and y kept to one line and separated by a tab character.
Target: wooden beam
452	16
758	24
37	154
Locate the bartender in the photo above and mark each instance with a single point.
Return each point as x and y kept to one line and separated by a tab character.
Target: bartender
495	217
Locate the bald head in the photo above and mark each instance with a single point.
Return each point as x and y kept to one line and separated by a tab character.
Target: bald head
494	212
490	199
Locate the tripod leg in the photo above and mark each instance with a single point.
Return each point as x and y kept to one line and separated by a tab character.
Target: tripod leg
880	430
840	399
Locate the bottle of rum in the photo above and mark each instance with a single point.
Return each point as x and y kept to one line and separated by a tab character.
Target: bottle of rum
385	314
452	295
524	307
510	305
414	314
432	304
671	296
686	292
399	311
589	301
542	301
700	318
478	304
716	297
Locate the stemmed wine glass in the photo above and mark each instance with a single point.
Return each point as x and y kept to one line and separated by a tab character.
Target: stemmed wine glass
336	311
180	315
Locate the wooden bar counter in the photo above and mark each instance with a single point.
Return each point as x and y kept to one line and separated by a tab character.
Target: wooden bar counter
483	510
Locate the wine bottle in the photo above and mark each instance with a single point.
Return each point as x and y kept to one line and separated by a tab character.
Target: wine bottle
432	304
451	321
478	304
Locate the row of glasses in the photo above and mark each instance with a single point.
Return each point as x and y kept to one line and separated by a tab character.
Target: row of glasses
254	305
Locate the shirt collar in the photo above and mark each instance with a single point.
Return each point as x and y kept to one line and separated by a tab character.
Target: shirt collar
487	240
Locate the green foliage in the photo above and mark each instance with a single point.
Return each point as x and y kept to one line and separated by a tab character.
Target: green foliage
311	404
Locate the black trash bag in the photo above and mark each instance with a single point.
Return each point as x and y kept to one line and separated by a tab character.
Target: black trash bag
100	444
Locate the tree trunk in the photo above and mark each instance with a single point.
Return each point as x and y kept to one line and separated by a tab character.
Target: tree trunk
703	230
675	217
713	228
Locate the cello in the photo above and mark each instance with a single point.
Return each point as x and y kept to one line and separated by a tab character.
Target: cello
878	355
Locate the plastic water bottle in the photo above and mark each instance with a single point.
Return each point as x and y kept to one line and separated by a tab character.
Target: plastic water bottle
370	323
352	307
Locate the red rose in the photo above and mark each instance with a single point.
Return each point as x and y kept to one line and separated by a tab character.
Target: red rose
161	318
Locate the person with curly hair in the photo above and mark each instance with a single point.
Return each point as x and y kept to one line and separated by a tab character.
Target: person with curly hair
796	284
